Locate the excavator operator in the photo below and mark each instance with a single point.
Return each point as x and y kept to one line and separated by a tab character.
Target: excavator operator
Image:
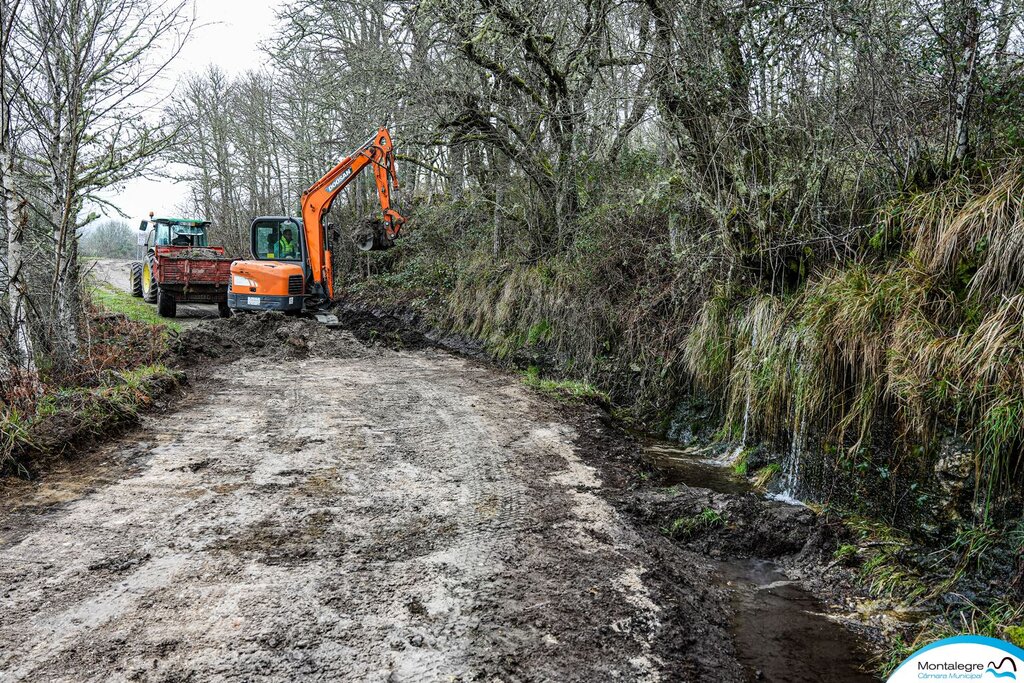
286	247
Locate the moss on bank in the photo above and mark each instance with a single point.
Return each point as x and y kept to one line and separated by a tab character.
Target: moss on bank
67	418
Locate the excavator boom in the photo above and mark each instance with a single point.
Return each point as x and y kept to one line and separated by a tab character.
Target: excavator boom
378	153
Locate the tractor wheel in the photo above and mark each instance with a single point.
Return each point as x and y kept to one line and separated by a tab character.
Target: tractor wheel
149	284
135	278
223	310
166	306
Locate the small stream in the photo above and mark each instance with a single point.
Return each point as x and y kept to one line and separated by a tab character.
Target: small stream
780	631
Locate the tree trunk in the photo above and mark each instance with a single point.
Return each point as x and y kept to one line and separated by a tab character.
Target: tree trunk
1004	26
457	174
966	79
16	213
501	170
63	219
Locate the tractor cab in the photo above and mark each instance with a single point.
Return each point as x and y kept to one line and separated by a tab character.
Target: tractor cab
175	232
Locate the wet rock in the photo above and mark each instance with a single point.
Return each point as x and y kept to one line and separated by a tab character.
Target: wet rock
954	475
759	456
691	422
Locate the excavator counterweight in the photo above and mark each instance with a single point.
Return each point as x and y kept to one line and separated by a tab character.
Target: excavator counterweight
291	269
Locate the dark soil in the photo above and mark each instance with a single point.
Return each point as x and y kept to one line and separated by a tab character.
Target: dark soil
268	335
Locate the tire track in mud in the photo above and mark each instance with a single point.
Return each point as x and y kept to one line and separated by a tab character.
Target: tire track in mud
375	516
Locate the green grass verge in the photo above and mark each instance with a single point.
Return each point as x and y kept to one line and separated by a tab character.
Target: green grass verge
564	389
66	416
110	298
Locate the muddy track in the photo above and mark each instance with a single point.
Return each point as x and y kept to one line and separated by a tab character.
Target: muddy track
376	515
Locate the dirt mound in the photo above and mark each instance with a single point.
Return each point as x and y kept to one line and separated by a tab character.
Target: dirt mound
265	335
738	526
380	327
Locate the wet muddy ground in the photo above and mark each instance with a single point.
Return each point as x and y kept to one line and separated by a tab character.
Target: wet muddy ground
377	515
321	508
781	632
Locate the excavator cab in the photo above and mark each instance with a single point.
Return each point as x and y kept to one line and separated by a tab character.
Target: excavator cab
291	269
274	278
276	238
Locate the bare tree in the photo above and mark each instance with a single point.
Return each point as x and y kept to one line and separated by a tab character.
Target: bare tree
74	120
14	218
97	58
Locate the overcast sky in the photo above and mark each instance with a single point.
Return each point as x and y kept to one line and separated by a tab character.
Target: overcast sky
228	34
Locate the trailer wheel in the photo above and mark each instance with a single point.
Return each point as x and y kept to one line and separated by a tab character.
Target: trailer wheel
150	288
166	306
223	310
135	278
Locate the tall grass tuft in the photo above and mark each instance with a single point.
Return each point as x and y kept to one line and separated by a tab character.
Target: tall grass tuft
928	343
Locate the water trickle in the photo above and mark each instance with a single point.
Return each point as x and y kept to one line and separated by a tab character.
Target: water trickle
790	480
780	631
750	385
746	419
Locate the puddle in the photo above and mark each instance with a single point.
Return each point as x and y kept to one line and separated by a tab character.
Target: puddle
780	631
693	466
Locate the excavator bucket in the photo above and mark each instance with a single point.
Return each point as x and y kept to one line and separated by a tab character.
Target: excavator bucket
375	243
370	236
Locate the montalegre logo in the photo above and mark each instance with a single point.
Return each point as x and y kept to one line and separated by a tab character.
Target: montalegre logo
963	658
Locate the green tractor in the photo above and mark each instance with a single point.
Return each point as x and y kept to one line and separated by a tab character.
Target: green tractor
179	266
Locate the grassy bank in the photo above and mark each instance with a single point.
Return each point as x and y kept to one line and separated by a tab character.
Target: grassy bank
879	362
933	591
115	300
121	372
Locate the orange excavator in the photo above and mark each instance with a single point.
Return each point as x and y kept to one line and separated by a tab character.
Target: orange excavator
291	268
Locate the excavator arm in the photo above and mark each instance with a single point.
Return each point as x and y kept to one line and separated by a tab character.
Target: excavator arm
377	153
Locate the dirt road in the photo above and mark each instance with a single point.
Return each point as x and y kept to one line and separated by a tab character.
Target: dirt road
374	516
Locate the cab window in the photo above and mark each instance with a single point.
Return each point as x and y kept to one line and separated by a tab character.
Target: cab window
163	234
188	235
276	240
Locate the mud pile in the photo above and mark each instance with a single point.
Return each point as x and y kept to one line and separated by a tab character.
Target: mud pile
383	328
199	254
713	523
269	335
